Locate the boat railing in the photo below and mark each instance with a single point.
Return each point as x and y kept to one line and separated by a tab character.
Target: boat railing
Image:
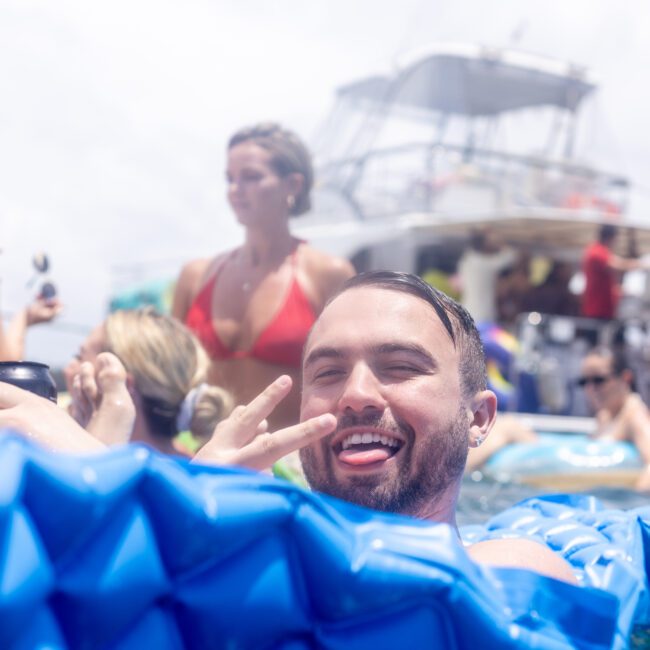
457	179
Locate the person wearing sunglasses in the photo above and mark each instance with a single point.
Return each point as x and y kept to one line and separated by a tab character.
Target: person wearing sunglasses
621	414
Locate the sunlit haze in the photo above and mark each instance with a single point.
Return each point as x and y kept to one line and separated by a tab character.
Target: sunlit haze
115	115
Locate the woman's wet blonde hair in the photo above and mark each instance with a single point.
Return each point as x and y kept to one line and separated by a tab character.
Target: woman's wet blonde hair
288	156
166	362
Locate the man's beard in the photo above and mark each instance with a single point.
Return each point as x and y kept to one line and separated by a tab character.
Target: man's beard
423	477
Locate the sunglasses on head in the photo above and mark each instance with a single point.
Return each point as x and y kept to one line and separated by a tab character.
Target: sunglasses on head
596	380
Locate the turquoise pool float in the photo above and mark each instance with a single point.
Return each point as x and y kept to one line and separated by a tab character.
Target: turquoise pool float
557	453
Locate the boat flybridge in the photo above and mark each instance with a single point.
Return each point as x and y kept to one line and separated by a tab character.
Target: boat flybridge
410	161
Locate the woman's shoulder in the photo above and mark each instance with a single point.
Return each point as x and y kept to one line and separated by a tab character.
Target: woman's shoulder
634	402
195	268
199	270
321	263
327	272
191	278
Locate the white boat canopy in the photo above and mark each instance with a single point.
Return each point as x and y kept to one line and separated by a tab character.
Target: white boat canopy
474	80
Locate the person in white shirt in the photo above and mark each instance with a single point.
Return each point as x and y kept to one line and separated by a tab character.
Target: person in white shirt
478	271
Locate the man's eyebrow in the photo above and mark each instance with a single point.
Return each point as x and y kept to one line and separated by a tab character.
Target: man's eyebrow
411	348
323	353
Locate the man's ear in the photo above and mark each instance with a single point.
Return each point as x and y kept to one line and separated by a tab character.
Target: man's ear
482	414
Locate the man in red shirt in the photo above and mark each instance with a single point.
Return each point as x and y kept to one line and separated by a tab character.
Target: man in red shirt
601	268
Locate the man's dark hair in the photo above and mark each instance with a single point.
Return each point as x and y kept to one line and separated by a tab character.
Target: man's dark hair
455	318
607	233
477	239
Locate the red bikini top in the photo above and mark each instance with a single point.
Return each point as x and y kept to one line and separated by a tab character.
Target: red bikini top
280	342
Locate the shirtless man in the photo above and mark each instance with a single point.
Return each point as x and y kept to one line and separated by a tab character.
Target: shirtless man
393	395
397	369
620	412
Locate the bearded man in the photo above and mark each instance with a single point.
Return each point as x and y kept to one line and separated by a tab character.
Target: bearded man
393	396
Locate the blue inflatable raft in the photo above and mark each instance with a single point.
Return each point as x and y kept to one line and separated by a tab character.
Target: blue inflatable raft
131	549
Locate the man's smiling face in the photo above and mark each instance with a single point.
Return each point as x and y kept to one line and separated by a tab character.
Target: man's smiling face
382	362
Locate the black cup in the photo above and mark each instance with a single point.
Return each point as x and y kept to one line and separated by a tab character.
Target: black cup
30	375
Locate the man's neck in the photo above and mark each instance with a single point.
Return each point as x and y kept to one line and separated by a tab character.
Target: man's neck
441	510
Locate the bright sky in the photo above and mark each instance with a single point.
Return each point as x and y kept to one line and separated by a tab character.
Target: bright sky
115	115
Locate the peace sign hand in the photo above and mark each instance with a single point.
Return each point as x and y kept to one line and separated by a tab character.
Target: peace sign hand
244	439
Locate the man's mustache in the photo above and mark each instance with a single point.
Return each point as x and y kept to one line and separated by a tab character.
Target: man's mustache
374	420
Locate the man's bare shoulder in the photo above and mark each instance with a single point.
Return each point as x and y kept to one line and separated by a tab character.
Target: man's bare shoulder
522	554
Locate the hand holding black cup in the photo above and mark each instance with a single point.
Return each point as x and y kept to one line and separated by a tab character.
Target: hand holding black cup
29	375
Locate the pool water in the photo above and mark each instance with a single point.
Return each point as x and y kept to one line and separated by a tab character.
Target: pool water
480	499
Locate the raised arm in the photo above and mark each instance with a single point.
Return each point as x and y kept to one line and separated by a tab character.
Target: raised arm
618	263
44	422
636	420
12	339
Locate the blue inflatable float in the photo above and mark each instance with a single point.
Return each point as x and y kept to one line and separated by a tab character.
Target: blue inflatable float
566	459
131	549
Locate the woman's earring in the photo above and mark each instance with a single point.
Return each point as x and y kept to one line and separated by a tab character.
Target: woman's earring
291	201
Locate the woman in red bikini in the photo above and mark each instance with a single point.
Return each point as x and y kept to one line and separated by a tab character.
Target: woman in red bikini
253	306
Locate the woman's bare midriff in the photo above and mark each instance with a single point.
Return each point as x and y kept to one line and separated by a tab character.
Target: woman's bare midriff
246	378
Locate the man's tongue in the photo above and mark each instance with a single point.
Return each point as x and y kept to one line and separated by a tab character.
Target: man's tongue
364	455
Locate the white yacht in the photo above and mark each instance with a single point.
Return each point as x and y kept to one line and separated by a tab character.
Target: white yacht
457	135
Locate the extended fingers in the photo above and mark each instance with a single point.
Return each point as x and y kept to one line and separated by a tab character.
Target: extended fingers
88	383
110	370
113	418
52	309
246	422
81	408
43	310
268	448
264	404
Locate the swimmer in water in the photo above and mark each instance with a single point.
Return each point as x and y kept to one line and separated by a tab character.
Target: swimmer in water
621	414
